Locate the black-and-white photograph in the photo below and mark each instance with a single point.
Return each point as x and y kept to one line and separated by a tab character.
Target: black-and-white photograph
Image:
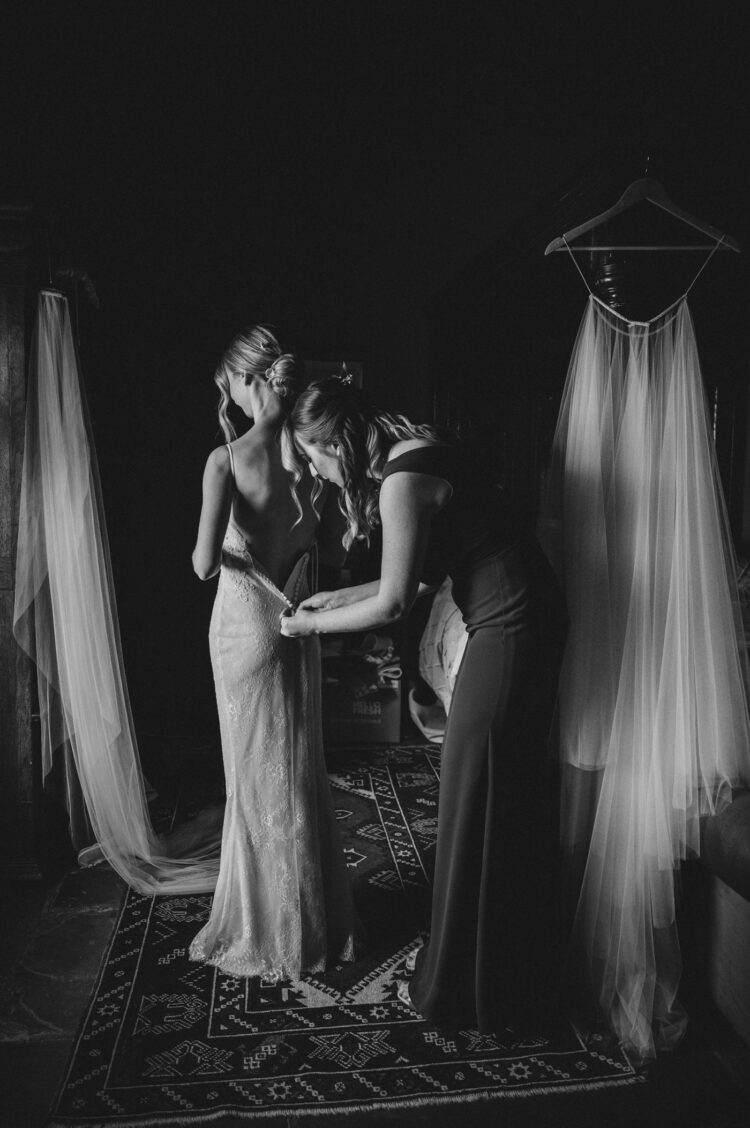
374	564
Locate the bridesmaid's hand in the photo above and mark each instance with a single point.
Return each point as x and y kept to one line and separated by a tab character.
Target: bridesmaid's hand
321	601
299	624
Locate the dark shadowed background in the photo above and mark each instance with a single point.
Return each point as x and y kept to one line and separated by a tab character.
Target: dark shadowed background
378	180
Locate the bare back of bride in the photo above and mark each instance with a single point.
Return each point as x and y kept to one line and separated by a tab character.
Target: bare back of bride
282	904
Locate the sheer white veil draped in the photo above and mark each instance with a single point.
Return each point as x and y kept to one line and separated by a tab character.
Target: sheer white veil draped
653	694
65	618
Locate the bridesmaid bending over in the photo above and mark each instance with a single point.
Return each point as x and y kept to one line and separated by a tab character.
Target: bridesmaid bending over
487	963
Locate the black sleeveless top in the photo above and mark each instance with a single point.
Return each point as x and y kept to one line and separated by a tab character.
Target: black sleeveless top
474	524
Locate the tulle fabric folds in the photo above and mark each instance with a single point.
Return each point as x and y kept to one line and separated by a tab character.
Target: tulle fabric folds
653	696
65	618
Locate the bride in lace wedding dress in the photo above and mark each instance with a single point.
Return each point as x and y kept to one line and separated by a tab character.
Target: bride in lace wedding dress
282	904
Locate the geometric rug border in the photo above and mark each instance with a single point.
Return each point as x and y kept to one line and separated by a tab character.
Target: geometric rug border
233	1113
180	1119
133	905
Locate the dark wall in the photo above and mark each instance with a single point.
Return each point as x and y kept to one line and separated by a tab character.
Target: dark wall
502	332
500	336
379	180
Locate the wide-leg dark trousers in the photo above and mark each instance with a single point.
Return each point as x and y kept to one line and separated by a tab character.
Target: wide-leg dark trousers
492	938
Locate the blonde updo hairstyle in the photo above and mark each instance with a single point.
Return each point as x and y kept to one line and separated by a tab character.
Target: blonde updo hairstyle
256	352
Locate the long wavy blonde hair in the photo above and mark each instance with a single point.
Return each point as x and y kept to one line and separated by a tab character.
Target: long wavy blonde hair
331	410
256	352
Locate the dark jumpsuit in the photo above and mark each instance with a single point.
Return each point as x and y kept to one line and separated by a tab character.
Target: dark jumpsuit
488	960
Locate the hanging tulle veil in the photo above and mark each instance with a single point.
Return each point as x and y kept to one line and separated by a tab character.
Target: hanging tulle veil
654	728
65	618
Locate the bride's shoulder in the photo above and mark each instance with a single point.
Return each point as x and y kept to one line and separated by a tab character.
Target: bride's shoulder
219	460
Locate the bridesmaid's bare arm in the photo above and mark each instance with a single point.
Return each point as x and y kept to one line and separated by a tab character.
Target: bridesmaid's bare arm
407	502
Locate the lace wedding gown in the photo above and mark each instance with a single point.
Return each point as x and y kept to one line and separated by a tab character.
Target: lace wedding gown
282	904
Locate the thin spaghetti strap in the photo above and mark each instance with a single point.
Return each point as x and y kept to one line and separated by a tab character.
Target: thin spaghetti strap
575	264
705	263
231	460
669	308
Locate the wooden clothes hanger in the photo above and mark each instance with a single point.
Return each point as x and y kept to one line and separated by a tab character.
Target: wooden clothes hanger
652	191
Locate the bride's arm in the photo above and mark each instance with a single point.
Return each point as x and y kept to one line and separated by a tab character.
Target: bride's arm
217	505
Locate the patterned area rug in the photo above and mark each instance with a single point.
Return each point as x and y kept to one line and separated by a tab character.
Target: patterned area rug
170	1042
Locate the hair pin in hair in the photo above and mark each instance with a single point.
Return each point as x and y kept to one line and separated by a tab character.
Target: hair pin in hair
345	375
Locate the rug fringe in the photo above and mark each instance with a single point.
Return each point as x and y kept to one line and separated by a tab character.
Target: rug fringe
183	1119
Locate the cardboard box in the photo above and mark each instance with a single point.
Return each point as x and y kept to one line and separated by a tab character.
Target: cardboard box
372	719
